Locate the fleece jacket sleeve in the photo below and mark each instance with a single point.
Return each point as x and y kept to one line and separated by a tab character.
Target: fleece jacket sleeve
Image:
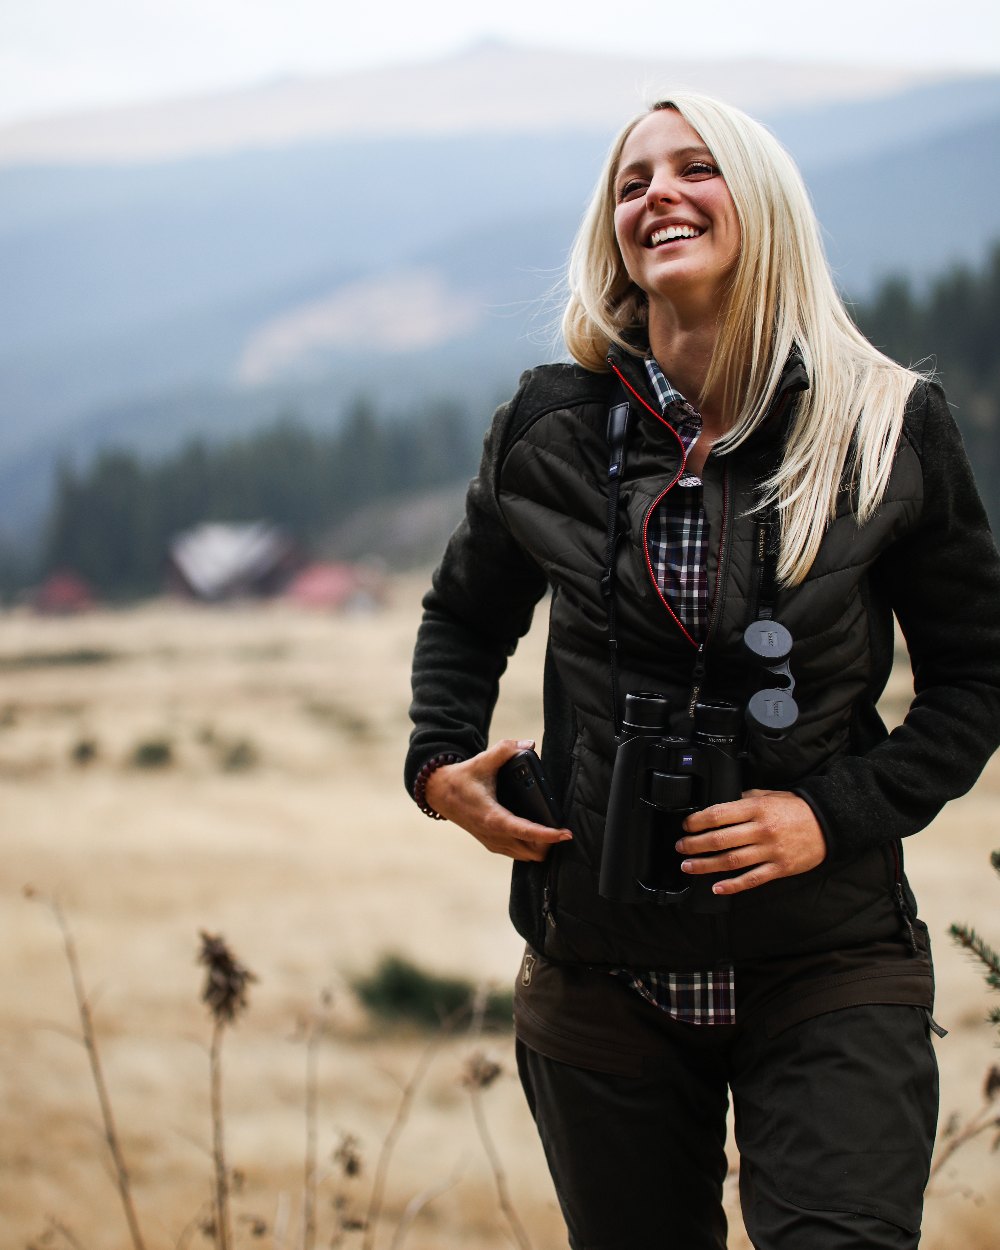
943	582
480	603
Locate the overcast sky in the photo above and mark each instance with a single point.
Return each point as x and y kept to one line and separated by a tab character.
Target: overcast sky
61	55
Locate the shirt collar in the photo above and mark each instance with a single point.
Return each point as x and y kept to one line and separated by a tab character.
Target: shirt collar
667	394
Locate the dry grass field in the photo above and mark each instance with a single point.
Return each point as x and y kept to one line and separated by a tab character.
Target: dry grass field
280	822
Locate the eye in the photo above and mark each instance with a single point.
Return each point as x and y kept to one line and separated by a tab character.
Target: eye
630	188
701	169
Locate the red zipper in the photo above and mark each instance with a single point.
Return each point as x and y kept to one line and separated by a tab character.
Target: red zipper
652	507
700	648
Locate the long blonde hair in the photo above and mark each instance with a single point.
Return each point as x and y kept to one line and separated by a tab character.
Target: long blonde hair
781	296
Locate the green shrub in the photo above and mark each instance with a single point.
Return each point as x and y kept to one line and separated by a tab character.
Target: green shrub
238	756
399	991
77	657
152	753
84	751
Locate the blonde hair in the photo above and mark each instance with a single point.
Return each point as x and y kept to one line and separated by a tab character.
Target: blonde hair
781	297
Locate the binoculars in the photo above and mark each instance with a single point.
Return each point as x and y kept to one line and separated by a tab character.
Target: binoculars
659	777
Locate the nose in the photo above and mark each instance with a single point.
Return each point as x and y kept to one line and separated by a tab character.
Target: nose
662	189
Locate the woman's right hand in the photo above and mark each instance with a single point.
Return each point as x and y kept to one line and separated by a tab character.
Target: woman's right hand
466	794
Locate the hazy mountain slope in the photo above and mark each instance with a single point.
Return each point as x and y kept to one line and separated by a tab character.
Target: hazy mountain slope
160	273
848	130
913	210
491	87
147	243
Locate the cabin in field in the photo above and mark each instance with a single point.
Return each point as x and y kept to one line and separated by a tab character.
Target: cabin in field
217	561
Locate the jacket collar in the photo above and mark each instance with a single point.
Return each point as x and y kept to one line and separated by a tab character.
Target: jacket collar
794	379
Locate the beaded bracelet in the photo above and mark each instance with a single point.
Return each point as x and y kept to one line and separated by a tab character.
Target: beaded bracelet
420	785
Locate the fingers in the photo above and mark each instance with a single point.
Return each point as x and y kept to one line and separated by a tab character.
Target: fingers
727	858
722	814
500	752
465	793
766	835
506	834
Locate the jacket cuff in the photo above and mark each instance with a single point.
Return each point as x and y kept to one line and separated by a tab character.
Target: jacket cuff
845	839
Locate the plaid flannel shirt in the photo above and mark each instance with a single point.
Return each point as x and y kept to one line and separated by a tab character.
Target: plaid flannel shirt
678	539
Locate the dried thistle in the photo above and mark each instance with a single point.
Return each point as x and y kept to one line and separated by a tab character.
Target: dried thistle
226	981
225	993
257	1226
347	1156
480	1071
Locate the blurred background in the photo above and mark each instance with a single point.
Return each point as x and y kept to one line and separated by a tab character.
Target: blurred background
265	270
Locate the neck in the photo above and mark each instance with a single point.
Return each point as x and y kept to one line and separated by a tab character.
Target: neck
683	349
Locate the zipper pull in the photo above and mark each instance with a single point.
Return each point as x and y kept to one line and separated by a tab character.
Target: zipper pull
904	912
697	679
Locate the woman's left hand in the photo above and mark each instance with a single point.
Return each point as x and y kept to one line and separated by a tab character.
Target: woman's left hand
770	833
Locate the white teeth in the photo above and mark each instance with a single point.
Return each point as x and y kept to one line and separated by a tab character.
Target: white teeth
673	232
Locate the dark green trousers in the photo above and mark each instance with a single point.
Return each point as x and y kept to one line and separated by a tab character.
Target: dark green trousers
834	1121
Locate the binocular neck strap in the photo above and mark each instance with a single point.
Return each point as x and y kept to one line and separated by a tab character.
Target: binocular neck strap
618	423
764	583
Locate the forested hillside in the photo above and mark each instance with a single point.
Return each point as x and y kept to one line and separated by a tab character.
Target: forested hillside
951	328
112	521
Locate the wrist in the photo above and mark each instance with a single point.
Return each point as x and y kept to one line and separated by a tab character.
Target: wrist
424	775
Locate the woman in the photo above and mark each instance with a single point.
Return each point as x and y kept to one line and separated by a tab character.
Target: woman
773	467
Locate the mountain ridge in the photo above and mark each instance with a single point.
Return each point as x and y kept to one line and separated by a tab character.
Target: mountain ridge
501	87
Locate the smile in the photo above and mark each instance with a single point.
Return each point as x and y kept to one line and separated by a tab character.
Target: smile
669	233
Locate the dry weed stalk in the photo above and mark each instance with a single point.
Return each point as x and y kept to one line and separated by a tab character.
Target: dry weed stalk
480	1073
957	1134
409	1093
121	1173
53	1229
418	1203
316	1026
225	994
309	1180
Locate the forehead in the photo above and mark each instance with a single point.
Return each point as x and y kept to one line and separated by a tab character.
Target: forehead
657	134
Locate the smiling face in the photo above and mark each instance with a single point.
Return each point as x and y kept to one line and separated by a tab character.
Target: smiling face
675	220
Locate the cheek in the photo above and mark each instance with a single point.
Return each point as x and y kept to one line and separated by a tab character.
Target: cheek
624	237
624	222
730	234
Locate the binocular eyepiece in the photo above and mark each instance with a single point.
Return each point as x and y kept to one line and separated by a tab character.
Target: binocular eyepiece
659	777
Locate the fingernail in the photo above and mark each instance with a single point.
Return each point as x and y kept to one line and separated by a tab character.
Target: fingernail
686	866
526	744
566	837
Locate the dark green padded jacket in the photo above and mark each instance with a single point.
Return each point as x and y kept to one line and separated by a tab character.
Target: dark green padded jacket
536	520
